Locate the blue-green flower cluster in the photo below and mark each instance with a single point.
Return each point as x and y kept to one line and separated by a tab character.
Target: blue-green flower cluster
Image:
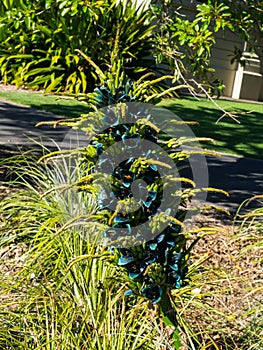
158	265
147	192
105	97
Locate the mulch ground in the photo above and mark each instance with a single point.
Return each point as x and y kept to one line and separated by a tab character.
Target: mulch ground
233	288
13	88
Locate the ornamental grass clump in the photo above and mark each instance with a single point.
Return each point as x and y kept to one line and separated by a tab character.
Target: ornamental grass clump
57	289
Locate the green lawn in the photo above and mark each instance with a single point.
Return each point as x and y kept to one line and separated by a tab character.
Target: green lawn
243	139
49	103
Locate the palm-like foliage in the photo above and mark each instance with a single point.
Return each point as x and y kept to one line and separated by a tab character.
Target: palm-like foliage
38	42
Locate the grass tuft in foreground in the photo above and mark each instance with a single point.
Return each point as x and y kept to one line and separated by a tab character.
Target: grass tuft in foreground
58	290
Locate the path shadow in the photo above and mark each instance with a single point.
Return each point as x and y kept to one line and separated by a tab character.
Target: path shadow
241	177
63	110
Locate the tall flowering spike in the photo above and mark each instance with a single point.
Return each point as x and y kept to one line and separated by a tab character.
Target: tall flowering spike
122	217
105	96
110	119
149	256
173	261
157	266
127	177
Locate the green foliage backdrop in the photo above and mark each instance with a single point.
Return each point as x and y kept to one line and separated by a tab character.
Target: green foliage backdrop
38	42
39	39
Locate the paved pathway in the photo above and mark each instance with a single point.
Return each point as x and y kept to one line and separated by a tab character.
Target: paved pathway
241	177
17	126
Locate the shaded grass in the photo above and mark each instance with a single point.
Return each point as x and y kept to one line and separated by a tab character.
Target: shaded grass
244	139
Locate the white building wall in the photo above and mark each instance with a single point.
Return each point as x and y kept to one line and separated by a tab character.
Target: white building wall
221	59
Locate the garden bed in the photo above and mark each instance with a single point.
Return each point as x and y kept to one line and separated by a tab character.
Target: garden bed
227	298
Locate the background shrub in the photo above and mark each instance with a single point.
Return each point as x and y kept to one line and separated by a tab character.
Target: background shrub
39	39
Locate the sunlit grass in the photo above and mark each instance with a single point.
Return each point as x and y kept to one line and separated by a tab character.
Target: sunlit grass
49	103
